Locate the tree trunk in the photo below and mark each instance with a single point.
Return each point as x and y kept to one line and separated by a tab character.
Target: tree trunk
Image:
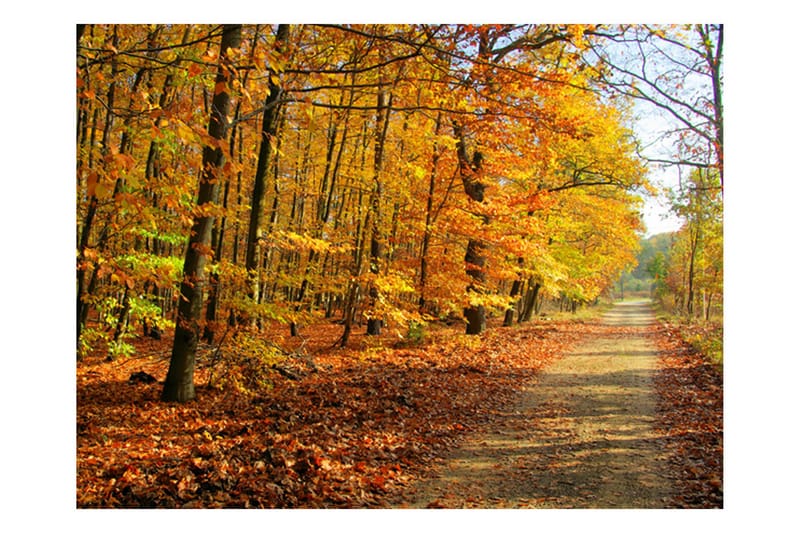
349	312
218	233
508	320
269	127
122	318
475	260
179	385
694	238
475	257
713	58
376	251
426	237
529	304
217	240
516	288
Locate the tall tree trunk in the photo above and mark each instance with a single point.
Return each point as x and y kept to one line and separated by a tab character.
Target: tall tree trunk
426	236
694	238
269	127
179	385
218	233
376	248
232	315
475	258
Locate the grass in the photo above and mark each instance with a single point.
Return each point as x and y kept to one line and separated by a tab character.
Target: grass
705	336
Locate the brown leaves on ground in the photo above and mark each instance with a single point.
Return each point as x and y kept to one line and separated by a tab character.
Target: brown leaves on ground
690	418
350	433
354	428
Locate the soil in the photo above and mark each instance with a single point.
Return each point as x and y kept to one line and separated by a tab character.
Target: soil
581	436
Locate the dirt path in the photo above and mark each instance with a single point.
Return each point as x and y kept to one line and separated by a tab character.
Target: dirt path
581	436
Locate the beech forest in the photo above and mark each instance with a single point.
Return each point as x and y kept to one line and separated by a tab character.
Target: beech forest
305	252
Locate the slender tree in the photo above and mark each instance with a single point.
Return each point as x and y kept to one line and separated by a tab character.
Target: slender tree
376	244
475	258
266	154
179	385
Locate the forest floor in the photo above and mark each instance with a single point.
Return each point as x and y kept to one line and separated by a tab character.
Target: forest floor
565	413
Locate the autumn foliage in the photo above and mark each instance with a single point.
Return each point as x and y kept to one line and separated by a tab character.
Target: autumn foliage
308	216
364	176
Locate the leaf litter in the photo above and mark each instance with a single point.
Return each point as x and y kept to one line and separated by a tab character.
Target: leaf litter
356	431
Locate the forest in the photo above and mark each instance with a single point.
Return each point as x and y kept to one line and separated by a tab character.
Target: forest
250	195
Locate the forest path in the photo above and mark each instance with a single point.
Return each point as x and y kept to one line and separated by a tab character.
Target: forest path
581	436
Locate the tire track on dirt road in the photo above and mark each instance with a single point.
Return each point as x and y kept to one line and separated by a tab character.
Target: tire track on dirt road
581	436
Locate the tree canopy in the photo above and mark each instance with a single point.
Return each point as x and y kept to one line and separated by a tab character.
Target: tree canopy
395	174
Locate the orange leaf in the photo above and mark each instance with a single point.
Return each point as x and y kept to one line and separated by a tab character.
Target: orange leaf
194	70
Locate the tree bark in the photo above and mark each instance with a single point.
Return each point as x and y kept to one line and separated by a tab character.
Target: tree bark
269	127
218	233
694	239
179	385
529	303
122	318
426	237
713	57
376	248
475	257
516	287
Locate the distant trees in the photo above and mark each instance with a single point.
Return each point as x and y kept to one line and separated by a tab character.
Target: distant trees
647	277
694	269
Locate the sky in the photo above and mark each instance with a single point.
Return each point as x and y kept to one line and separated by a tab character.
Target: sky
657	216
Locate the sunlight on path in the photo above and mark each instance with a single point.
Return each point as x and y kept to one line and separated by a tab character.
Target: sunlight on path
581	437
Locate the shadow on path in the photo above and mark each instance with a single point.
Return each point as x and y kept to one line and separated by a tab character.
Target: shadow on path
580	437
